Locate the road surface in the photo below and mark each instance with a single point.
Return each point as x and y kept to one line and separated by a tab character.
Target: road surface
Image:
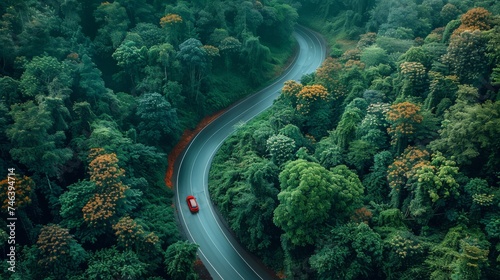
219	251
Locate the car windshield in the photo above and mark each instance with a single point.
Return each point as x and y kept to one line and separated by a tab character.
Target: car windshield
193	202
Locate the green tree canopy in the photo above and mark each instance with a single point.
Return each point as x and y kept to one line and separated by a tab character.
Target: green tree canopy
158	120
179	260
111	263
351	251
307	194
33	144
310	196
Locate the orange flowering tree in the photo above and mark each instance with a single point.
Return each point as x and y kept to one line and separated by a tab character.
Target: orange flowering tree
107	175
59	251
104	169
313	102
309	96
402	172
173	23
474	19
23	189
290	90
170	19
404	167
130	234
328	75
422	179
403	119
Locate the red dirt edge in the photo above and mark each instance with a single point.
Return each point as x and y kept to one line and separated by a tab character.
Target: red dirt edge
186	137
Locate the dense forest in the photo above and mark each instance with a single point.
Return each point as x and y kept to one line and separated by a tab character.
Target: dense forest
93	96
385	162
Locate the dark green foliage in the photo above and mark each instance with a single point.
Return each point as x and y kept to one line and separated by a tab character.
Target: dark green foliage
113	23
393	86
132	58
346	129
72	202
360	155
254	222
256	56
121	76
112	263
328	152
375	183
466	56
35	144
466	134
179	260
158	120
90	81
114	75
351	251
195	62
45	75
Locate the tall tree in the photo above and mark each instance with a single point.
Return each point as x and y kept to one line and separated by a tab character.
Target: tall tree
114	22
90	82
346	129
60	254
256	56
108	199
158	120
403	118
132	58
466	56
414	78
195	61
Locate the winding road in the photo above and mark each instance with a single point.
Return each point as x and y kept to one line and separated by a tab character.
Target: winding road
222	255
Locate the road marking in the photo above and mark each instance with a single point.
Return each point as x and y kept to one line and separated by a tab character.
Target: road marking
306	39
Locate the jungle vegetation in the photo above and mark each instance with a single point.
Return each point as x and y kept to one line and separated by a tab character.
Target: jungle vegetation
385	162
93	96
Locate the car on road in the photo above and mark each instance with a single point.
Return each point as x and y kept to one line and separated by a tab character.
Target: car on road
192	204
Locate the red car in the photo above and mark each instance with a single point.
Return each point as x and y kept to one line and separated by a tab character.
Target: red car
192	204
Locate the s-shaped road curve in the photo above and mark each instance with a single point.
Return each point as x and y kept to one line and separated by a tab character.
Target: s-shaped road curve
222	255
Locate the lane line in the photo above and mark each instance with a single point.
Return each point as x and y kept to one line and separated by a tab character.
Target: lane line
308	41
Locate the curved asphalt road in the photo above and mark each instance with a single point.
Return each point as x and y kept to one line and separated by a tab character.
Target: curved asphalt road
219	251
